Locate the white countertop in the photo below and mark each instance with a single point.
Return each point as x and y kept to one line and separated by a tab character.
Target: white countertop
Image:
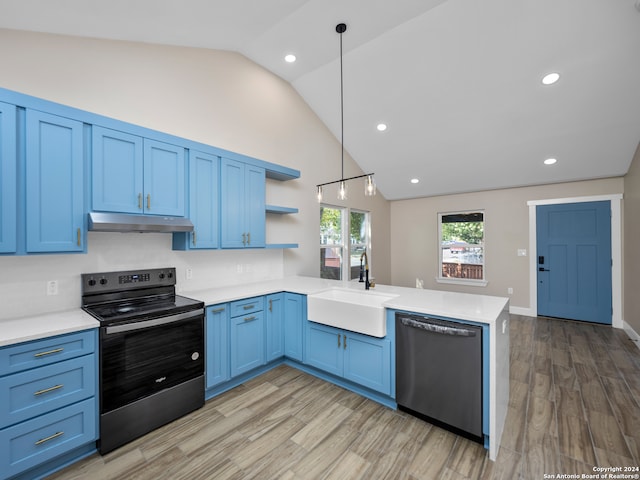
17	330
463	306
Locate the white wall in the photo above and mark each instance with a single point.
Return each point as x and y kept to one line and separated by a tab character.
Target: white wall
631	262
414	235
215	97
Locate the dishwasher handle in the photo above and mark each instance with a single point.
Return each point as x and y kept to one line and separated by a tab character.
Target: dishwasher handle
425	324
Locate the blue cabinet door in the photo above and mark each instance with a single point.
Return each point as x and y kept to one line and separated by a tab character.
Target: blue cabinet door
204	199
274	326
242	199
324	348
255	212
232	201
164	179
247	342
54	183
294	320
117	179
367	361
217	345
8	179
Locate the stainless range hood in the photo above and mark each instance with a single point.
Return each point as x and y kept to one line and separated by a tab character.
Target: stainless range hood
124	222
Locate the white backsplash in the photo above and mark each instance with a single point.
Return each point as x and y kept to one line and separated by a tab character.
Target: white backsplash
23	279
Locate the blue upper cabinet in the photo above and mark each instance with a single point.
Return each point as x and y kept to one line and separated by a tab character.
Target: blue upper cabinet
117	171
164	179
8	179
54	183
204	203
132	174
242	205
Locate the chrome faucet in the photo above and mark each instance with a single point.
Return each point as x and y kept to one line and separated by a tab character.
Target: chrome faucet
364	271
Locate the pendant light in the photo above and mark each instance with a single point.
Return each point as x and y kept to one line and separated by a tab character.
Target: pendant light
369	185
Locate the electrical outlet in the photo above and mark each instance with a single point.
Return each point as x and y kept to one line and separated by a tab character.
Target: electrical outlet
189	273
239	268
510	291
52	287
522	252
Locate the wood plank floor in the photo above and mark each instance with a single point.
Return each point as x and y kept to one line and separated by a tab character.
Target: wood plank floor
574	404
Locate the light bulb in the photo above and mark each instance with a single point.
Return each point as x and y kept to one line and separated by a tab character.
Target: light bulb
369	186
342	191
319	196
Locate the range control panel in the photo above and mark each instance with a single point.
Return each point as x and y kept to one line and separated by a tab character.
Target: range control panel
129	280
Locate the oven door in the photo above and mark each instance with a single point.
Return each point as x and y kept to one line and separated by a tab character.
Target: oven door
138	359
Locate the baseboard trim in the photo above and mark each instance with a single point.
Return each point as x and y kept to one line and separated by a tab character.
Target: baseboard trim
527	312
633	335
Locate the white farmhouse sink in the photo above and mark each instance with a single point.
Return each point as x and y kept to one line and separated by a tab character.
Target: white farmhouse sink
358	311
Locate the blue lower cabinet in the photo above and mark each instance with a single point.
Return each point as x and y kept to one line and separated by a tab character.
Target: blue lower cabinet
367	361
28	444
274	326
324	348
358	358
217	345
48	403
40	390
295	316
247	342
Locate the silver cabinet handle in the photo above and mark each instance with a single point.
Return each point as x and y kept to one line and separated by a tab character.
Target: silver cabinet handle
47	390
249	238
51	437
244	239
338	340
248	307
218	310
49	352
344	343
248	319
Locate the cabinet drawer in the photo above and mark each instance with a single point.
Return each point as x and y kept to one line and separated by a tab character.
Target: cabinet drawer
30	443
246	306
24	356
34	392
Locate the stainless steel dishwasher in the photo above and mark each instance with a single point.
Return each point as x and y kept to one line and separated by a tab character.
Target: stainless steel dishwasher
439	372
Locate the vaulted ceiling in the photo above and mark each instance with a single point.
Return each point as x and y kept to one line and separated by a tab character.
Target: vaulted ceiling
457	82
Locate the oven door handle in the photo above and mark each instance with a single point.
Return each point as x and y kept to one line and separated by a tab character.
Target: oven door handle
129	327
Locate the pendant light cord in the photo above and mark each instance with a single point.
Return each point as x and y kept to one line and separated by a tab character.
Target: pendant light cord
341	28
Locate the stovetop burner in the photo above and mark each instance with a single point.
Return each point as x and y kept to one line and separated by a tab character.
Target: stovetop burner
115	297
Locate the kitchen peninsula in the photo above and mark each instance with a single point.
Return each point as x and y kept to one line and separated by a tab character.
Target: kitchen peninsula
490	311
261	300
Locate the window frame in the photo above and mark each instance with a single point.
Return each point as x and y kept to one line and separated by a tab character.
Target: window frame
346	246
463	281
367	239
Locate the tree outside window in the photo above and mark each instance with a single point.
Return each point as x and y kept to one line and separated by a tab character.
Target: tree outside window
331	244
462	246
334	246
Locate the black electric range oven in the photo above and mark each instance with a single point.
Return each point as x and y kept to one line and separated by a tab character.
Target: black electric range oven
151	348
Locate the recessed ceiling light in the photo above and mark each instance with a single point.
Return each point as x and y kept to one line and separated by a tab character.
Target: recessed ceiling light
550	78
415	180
382	127
290	58
550	161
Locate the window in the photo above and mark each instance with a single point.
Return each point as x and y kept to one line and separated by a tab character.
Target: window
461	247
331	242
358	240
336	246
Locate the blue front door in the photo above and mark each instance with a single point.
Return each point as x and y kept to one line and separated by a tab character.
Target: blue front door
574	261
